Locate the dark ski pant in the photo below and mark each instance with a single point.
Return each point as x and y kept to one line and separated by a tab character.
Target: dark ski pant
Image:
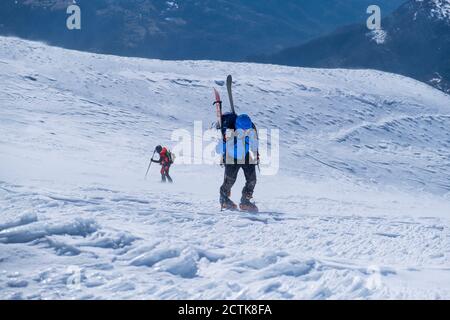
231	172
165	173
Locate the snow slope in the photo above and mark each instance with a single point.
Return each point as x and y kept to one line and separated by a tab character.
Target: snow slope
359	207
440	9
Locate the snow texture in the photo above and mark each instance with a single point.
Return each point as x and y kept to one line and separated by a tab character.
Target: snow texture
378	35
439	9
359	208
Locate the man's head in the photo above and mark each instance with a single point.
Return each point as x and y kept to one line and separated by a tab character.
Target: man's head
158	149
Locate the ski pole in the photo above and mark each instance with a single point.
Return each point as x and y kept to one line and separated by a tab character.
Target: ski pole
151	160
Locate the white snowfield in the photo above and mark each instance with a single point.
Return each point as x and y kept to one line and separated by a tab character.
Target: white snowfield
359	209
440	9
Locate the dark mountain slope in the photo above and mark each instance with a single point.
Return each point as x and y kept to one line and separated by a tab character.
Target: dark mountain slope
414	41
189	29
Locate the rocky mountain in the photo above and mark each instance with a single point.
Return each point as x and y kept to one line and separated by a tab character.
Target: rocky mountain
414	41
182	29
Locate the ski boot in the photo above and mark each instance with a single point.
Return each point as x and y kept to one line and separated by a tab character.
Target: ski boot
247	206
227	204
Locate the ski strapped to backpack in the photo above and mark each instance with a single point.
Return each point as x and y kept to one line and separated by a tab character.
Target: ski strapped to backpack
218	104
230	93
225	120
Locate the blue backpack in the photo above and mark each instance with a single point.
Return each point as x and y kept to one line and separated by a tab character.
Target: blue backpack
239	124
244	122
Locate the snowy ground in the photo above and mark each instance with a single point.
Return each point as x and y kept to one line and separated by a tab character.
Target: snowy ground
359	208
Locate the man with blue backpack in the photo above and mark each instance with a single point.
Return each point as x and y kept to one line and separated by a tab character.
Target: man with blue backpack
239	149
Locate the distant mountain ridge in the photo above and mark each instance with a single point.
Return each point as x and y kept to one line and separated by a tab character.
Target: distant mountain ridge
414	41
189	29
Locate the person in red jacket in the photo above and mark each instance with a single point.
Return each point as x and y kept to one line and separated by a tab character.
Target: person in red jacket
165	161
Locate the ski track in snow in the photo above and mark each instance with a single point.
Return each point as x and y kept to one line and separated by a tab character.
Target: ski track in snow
359	208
